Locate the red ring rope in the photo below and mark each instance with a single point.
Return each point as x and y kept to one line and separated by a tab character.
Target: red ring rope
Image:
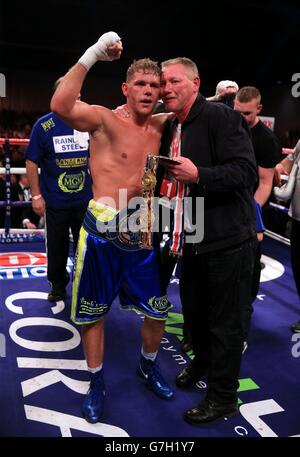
14	141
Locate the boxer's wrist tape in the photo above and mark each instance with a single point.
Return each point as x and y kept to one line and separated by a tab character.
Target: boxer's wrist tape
98	51
88	58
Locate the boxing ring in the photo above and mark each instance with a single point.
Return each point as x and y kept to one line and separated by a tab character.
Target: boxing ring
45	374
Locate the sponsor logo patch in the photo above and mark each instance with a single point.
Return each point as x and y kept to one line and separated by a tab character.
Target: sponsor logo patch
66	143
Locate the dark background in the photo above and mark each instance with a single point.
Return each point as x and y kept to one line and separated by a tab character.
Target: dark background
251	42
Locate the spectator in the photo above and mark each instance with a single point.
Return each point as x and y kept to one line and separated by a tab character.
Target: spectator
267	153
225	92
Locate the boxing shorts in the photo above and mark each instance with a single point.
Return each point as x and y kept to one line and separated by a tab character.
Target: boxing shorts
112	262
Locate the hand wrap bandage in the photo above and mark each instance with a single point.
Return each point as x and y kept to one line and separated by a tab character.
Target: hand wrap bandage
99	50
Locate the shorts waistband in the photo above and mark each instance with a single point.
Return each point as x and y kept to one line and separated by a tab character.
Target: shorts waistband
110	224
102	212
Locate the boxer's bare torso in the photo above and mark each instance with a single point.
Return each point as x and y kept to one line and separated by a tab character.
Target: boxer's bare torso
118	149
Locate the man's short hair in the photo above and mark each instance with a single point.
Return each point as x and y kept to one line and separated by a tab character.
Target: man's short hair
185	61
59	80
248	93
57	83
144	65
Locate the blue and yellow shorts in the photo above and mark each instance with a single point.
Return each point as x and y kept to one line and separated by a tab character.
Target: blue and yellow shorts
110	263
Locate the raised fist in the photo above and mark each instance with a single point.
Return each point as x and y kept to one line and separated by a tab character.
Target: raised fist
107	48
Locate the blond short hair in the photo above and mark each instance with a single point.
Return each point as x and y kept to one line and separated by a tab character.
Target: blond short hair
144	65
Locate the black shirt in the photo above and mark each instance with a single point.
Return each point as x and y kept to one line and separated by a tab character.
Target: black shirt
266	146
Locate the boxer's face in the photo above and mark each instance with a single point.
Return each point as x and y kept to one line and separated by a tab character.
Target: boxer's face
142	92
179	87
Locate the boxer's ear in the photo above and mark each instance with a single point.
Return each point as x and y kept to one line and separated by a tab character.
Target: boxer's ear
125	89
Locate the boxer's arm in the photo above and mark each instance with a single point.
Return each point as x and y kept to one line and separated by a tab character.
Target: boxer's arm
161	119
158	120
164	117
65	101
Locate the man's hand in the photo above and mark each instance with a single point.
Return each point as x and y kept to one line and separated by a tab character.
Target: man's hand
114	52
278	171
29	225
39	206
260	236
108	48
186	171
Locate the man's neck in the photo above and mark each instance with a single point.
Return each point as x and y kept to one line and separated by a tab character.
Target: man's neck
138	119
256	121
183	114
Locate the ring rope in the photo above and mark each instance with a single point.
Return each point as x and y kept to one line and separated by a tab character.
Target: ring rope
14	141
15	171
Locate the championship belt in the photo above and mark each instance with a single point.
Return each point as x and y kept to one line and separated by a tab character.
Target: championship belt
147	217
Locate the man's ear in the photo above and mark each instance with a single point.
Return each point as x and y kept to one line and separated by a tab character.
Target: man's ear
259	108
197	82
125	89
